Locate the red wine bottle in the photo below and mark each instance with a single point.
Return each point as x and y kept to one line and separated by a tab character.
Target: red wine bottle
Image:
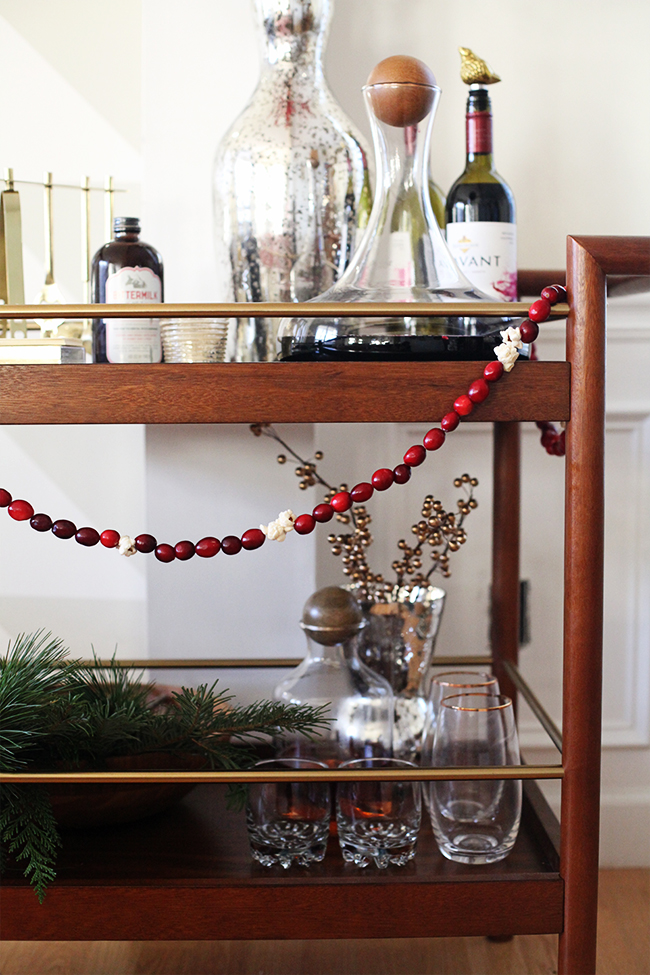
480	212
126	271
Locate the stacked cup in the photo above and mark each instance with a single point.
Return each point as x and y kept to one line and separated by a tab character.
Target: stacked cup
194	339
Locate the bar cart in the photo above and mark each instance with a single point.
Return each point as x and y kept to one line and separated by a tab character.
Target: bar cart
187	875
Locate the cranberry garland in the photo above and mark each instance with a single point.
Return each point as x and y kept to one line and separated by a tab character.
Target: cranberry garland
342	501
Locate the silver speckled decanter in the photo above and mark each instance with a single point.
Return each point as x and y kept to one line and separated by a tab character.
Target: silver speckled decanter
291	184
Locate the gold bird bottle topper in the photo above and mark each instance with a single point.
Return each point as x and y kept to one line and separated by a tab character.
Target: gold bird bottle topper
475	71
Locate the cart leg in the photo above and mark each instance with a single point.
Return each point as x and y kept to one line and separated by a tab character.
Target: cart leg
583	615
504	627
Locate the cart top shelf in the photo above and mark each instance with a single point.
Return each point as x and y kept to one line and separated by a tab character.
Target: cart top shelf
305	392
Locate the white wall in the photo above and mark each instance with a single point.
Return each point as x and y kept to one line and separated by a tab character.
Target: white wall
146	95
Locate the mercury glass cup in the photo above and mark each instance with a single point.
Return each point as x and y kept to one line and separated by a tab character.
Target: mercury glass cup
288	822
378	822
475	821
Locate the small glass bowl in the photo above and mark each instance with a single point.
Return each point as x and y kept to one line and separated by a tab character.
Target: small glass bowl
194	339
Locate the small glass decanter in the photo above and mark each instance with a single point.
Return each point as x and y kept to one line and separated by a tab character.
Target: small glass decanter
402	255
360	702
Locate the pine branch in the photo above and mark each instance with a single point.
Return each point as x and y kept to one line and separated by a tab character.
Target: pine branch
28	830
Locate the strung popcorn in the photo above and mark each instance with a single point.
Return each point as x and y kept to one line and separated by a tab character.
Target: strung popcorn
126	546
508	352
276	531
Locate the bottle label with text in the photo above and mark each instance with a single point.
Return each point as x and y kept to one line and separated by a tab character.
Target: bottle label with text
133	339
401	271
486	253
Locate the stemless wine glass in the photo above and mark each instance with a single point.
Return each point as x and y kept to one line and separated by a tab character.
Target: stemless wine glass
378	821
475	821
288	822
444	685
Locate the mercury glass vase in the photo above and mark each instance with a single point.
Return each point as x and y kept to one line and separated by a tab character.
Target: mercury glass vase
291	185
398	642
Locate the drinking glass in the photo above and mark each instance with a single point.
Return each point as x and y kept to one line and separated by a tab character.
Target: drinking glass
475	821
444	685
288	822
378	821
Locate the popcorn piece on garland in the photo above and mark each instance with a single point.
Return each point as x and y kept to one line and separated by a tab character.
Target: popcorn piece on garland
126	546
508	352
276	531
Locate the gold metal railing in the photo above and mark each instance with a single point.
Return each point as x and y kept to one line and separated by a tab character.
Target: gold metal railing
326	775
198	663
279	309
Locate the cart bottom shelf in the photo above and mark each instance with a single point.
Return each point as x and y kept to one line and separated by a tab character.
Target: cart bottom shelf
187	875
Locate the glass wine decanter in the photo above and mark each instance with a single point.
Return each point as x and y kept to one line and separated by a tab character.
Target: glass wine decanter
360	702
402	255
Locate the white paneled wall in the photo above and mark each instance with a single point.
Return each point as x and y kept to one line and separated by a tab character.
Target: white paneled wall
146	94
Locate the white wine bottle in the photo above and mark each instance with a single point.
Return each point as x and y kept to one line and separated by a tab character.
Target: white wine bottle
480	212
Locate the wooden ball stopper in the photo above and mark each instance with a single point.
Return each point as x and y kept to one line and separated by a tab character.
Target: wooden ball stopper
331	616
401	90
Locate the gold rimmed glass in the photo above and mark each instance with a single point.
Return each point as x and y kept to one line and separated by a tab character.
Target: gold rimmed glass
475	821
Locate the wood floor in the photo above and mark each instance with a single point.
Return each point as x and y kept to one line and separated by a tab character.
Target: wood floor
623	949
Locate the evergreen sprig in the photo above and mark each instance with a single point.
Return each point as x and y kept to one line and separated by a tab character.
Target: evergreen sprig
55	712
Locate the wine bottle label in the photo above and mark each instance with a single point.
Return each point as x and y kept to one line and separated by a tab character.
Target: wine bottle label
486	252
133	339
478	132
401	272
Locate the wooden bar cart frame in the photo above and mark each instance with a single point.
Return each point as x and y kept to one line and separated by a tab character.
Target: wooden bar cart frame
531	892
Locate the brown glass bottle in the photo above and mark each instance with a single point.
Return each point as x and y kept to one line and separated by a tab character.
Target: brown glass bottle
126	270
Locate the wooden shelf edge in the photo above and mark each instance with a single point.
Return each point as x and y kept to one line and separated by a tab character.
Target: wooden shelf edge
348	392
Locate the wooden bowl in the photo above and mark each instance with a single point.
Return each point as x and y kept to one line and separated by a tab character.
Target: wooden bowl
80	806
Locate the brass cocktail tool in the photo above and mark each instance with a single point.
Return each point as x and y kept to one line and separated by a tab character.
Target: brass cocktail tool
12	289
50	293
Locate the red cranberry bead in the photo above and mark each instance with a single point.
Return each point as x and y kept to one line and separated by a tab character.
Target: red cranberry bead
362	492
402	474
493	371
231	545
145	543
208	547
450	421
554	293
548	438
63	528
165	552
434	439
251	539
382	479
184	550
41	522
539	310
478	391
110	538
20	510
87	537
528	331
304	524
415	455
323	512
342	501
5	498
463	405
